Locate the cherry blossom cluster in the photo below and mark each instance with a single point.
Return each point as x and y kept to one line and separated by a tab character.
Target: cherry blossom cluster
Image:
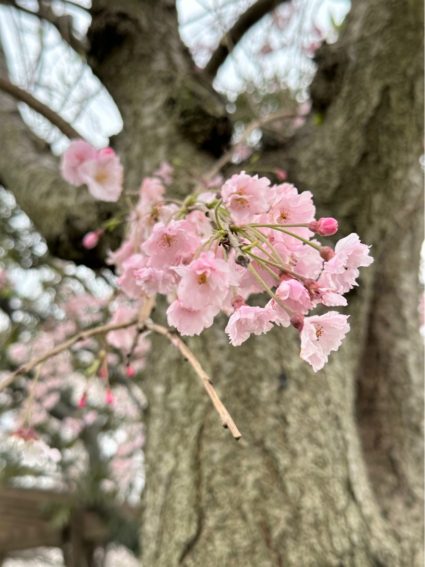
98	391
214	251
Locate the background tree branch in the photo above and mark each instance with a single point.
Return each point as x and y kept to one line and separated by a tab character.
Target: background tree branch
24	96
63	24
248	19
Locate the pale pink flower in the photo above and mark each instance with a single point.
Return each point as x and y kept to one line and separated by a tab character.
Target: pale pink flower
155	280
171	244
341	271
103	175
165	172
306	262
293	295
200	223
123	339
77	153
248	320
188	321
128	281
118	256
245	196
204	282
320	335
91	239
291	207
151	190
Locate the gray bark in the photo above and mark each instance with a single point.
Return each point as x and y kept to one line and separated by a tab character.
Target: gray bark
329	468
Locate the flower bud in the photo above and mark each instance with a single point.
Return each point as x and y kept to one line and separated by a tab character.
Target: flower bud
82	402
297	321
281	174
130	371
109	397
325	226
326	252
91	239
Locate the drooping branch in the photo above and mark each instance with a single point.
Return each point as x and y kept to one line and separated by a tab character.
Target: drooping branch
226	418
24	96
63	24
249	18
65	345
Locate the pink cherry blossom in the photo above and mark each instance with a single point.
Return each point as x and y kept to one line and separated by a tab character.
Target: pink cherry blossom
341	271
248	320
204	282
119	256
188	321
151	190
165	172
77	153
155	280
291	207
128	281
171	244
103	176
293	295
245	196
320	335
123	339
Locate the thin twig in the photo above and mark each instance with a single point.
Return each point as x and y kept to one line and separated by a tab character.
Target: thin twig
26	97
185	351
65	345
63	23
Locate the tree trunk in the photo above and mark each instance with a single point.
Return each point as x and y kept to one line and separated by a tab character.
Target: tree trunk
330	463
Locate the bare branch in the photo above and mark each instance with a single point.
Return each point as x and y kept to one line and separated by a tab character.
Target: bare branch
231	37
36	361
226	418
26	97
63	24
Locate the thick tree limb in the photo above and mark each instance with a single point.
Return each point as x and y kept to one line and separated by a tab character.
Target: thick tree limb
63	24
231	37
24	96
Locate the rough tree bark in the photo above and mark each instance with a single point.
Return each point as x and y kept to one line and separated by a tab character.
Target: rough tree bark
328	472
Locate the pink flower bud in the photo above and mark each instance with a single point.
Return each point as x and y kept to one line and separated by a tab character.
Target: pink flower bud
91	239
281	174
326	226
109	397
130	371
237	302
326	252
297	321
82	402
